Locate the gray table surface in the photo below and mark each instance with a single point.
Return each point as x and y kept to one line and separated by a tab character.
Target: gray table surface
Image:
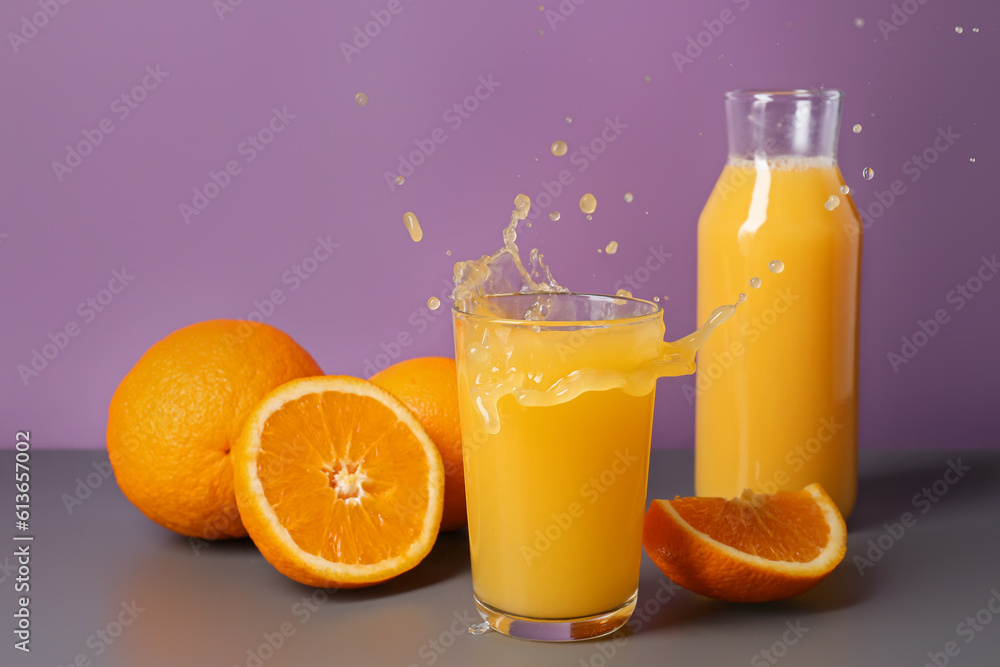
187	604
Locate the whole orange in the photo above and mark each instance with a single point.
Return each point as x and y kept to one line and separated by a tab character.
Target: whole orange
176	414
428	386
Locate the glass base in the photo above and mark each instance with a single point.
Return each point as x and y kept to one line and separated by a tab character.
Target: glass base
557	629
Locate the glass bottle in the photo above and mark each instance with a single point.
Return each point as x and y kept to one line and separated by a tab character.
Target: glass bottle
776	390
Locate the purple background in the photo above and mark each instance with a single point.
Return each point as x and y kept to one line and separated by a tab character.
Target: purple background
323	177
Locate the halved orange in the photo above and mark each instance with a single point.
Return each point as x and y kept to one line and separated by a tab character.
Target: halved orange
754	548
337	482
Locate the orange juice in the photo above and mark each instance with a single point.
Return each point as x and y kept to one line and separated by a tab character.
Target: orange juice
777	385
556	478
556	401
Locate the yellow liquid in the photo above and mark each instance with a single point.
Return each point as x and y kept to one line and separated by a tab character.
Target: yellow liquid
556	421
556	495
777	384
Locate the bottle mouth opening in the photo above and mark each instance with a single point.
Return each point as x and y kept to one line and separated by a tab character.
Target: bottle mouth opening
762	94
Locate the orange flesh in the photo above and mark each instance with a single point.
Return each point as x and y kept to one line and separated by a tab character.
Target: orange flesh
786	526
336	482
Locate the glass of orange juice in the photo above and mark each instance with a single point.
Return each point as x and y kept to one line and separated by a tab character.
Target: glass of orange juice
556	399
776	391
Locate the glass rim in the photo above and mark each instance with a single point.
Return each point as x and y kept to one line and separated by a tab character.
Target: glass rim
795	93
556	324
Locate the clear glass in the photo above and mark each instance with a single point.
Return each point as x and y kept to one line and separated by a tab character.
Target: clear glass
555	478
776	390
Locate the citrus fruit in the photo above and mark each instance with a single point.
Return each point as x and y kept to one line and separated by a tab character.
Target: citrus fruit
176	414
337	482
755	548
428	386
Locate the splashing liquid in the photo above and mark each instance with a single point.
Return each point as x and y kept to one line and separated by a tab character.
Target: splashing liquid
559	148
499	361
413	226
433	303
611	248
588	203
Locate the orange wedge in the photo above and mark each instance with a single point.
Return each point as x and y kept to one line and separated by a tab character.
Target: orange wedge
337	482
755	548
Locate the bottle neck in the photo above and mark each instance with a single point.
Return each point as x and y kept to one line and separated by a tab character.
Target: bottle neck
773	124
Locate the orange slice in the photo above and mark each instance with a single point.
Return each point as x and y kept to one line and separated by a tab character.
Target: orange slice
337	482
755	548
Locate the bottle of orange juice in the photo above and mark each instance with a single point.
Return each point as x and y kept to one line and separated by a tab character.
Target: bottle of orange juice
776	390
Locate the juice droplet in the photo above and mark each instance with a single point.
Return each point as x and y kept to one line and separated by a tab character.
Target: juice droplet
975	30
656	299
741	298
832	203
755	282
479	628
776	266
857	128
958	29
611	248
588	203
522	203
629	198
648	78
400	180
972	159
554	215
844	189
361	99
859	22
600	251
590	217
433	303
868	173
541	8
569	119
448	252
559	148
541	32
623	292
413	226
